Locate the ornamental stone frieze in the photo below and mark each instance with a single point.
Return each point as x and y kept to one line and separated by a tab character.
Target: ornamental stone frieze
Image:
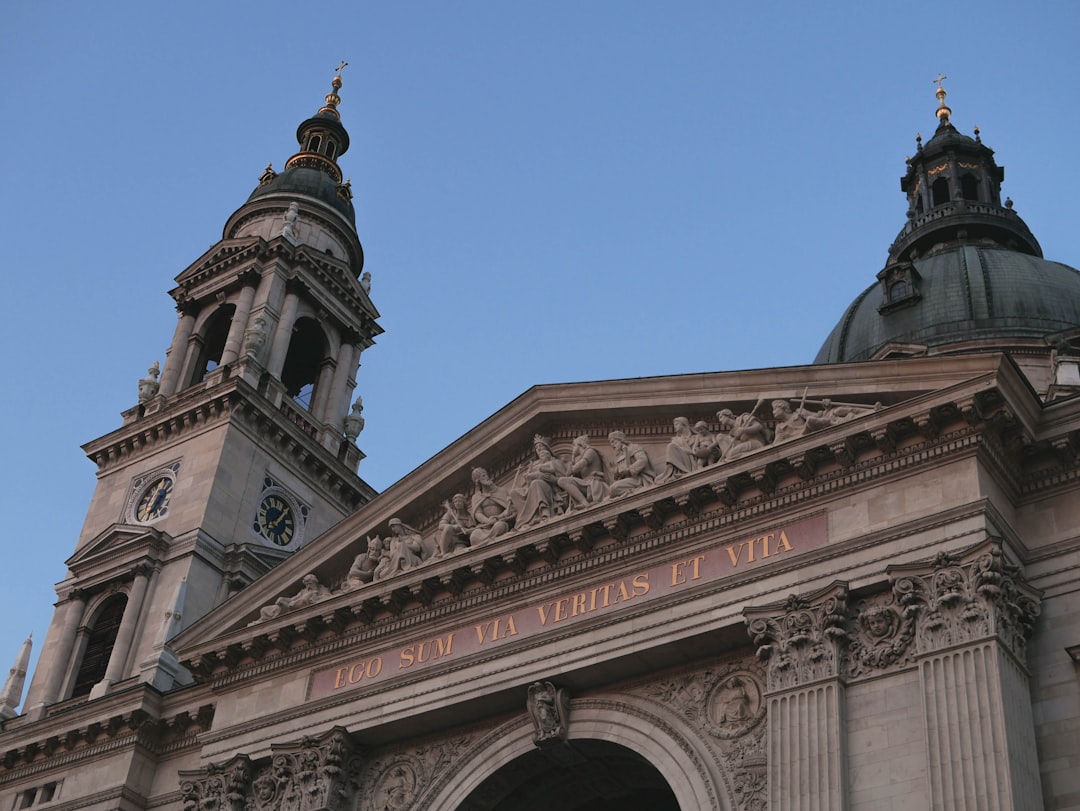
959	598
881	636
802	639
314	774
396	780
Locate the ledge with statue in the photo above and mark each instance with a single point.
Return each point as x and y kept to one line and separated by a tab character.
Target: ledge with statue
501	508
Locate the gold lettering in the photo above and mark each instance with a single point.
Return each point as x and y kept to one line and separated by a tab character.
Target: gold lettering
783	543
695	562
511	630
339	677
765	544
407	658
592	599
734	555
677	576
481	632
356	673
641	585
560	608
749	550
374	667
543	610
624	592
607	593
578	606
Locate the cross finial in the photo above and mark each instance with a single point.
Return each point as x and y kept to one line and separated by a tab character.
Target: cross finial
937	81
341	67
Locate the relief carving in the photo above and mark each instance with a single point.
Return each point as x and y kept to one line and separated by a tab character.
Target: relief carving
679	457
958	599
631	467
587	482
491	507
217	787
728	705
881	638
549	709
741	435
315	774
455	526
396	781
801	640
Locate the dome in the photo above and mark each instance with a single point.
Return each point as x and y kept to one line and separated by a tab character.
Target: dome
962	294
310	183
965	273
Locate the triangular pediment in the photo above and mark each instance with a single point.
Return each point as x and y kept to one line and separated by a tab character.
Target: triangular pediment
116	550
870	410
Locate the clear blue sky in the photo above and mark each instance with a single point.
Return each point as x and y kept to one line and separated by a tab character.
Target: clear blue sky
546	192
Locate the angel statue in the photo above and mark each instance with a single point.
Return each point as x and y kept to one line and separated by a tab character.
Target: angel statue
549	708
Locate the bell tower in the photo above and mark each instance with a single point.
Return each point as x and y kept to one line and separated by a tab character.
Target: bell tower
244	449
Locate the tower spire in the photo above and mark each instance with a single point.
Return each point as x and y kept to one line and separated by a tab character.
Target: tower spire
943	112
11	695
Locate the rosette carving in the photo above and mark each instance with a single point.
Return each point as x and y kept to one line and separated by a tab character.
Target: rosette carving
881	638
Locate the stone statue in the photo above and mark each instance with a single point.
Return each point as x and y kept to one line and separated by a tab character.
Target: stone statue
549	708
745	433
148	386
365	281
631	467
491	507
290	217
706	447
311	591
404	551
679	458
363	566
354	422
835	413
587	480
255	338
789	424
455	525
535	492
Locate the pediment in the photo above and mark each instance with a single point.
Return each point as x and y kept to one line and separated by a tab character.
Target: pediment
848	412
117	548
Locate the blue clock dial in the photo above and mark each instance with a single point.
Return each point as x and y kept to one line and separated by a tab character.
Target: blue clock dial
276	520
154	500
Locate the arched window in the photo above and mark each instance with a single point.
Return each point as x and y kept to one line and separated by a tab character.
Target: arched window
969	184
314	143
940	191
213	337
99	645
307	351
899	290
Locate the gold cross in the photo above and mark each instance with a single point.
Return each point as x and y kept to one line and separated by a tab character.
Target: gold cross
344	63
940	79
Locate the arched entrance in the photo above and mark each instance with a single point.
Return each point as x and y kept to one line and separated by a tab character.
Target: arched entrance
581	775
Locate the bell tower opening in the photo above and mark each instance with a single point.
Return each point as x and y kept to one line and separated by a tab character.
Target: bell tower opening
99	645
582	775
304	361
212	343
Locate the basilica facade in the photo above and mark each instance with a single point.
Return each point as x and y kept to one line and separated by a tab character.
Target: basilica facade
849	585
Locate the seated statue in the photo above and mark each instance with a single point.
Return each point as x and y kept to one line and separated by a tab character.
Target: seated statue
311	591
705	447
744	434
679	458
587	480
536	497
363	566
454	526
630	468
491	508
405	550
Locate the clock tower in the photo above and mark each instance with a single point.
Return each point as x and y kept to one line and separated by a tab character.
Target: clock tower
244	449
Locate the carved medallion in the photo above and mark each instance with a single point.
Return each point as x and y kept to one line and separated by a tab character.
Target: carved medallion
734	705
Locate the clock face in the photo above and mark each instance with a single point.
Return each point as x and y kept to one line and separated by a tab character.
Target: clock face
154	500
276	520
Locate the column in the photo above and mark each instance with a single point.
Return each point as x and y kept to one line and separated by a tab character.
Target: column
802	641
239	323
114	672
320	400
338	403
974	615
176	354
56	659
280	346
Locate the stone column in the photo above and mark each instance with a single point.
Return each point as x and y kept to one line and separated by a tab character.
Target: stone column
176	354
320	400
56	659
279	348
337	403
239	321
802	641
114	672
973	615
